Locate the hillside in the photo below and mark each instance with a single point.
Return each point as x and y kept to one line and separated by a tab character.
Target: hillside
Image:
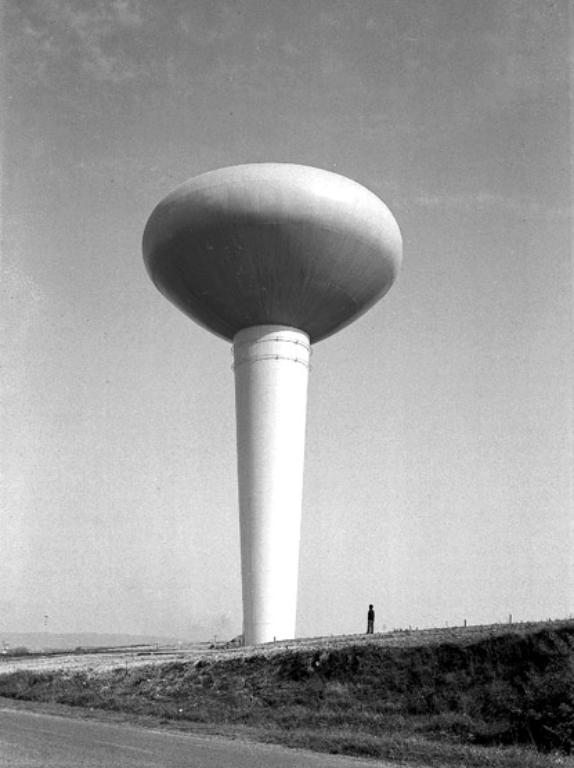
443	701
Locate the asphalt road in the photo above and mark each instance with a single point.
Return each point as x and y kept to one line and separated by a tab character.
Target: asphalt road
33	740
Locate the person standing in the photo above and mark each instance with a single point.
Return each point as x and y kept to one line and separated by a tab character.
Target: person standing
370	620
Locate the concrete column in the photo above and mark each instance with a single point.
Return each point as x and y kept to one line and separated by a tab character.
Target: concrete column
271	365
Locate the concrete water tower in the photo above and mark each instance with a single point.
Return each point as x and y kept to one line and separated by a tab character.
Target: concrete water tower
273	257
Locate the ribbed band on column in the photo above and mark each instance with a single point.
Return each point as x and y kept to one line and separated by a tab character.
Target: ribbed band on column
270	342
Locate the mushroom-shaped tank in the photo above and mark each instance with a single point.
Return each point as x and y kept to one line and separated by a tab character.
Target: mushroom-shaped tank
272	244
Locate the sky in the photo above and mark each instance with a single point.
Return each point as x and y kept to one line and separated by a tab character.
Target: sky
438	479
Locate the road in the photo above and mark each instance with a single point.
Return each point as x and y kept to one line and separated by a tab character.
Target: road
33	740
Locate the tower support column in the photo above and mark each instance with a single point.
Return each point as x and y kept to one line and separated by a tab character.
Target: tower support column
271	364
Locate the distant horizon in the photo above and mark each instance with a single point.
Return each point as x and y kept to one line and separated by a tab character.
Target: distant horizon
210	638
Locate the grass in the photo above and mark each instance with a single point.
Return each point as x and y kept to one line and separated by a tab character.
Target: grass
505	701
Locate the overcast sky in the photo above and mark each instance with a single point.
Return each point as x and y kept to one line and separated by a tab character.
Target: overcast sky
438	481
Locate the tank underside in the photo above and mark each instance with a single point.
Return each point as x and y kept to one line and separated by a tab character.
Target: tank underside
272	244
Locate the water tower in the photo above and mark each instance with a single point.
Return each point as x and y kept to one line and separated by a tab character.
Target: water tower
273	257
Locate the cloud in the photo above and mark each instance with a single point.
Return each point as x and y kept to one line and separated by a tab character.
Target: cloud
88	36
128	13
25	304
20	286
482	201
94	29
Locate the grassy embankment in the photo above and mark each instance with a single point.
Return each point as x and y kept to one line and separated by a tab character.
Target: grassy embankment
503	701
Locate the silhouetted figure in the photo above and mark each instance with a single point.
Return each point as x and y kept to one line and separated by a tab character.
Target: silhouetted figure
370	620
